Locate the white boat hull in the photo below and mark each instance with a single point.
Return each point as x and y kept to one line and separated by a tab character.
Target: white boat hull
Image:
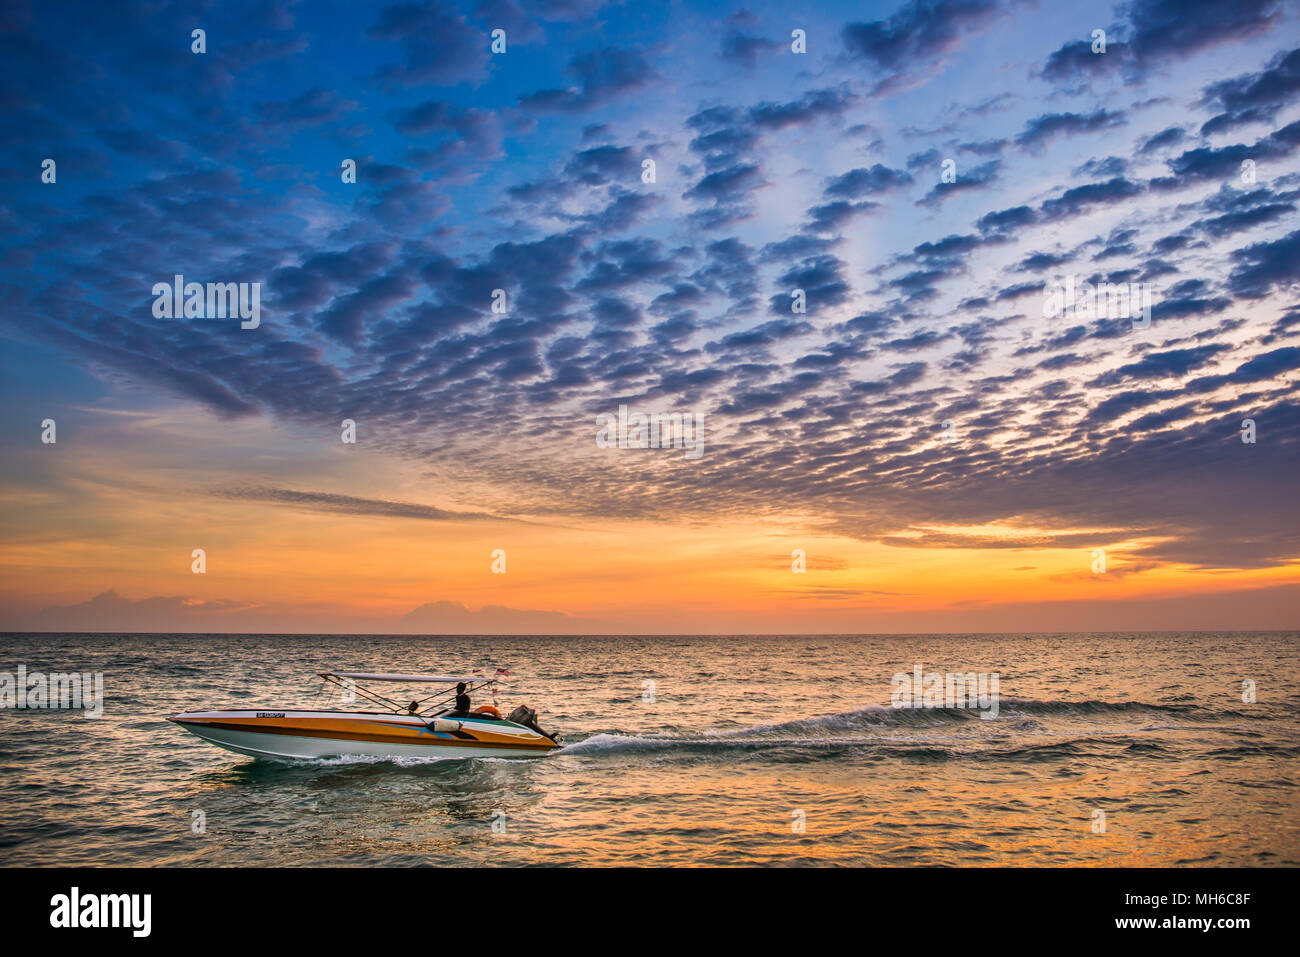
313	735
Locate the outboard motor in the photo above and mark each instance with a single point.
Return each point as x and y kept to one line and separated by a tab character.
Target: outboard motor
523	715
528	718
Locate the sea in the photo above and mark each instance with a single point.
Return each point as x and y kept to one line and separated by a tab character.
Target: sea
1115	750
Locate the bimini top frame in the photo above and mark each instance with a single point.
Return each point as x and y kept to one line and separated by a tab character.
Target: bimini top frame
348	681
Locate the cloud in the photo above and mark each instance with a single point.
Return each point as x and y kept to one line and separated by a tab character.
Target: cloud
1262	266
1166	137
351	505
727	185
602	75
910	41
812	106
1074	65
1253	97
865	181
109	612
1165	29
1160	365
744	49
1155	32
1079	198
1243	219
1043	129
1209	163
472	134
978	177
438	45
309	108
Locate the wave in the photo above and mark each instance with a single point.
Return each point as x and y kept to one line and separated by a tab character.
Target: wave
810	748
1091	706
1255	750
873	716
862	727
713	744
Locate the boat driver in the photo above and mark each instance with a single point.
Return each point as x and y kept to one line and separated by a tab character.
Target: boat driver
462	701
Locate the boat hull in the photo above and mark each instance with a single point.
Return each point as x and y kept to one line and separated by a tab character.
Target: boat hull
312	735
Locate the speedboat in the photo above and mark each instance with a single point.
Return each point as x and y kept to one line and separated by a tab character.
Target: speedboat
424	728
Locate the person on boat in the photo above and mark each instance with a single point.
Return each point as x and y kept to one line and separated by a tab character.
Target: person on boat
462	701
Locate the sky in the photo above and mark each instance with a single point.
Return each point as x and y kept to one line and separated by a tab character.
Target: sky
615	209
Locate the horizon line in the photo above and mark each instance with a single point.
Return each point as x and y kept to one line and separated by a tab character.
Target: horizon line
648	634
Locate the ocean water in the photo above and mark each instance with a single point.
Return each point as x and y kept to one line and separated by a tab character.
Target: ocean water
753	751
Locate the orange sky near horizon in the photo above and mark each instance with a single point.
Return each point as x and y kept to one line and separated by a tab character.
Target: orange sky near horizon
119	515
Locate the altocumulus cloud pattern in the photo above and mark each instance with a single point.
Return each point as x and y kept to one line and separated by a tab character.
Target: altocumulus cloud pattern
473	229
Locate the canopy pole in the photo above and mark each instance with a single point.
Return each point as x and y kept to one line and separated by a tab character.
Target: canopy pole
371	696
376	698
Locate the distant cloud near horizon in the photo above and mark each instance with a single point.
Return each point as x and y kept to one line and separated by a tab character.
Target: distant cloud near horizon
111	612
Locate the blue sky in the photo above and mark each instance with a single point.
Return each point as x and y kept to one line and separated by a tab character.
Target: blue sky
774	171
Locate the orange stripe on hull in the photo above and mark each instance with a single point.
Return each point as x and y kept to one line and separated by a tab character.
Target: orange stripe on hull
394	734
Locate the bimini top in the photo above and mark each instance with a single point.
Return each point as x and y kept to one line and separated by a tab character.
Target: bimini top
381	676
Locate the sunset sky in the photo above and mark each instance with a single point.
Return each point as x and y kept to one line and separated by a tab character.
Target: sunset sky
773	171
